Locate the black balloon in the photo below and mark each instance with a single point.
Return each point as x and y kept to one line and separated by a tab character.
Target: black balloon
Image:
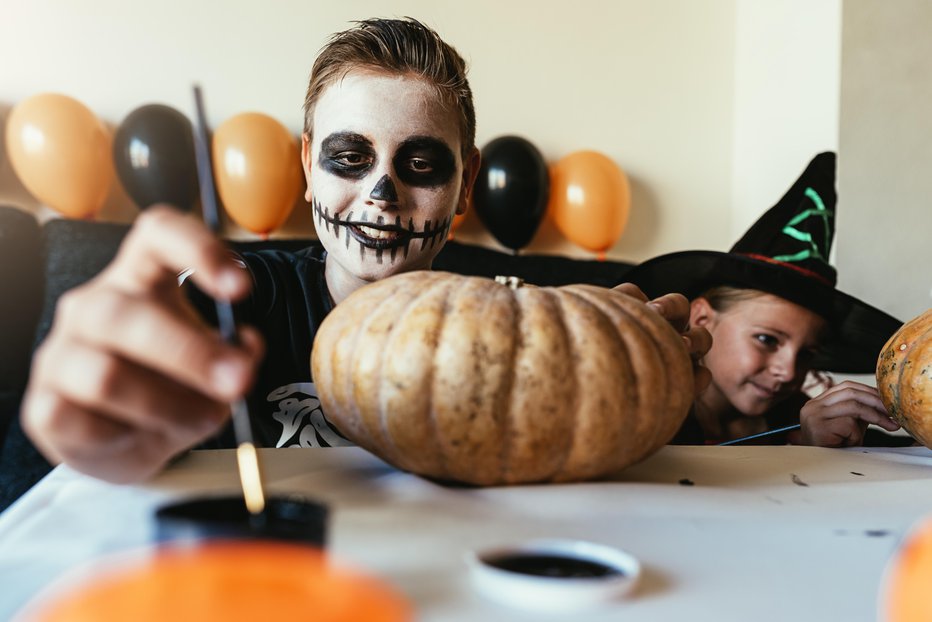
153	150
512	190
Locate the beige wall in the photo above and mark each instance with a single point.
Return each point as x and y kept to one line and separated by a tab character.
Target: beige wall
787	73
651	83
884	244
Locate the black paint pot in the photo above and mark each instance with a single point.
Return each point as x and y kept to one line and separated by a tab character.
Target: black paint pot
290	519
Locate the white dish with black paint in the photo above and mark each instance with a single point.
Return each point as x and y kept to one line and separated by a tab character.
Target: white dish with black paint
554	575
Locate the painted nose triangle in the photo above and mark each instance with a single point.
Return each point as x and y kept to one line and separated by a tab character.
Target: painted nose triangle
384	190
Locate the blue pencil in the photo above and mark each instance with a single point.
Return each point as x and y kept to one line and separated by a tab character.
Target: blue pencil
767	433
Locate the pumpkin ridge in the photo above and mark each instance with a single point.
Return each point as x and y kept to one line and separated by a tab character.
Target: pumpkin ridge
625	384
539	390
470	379
449	291
427	289
333	370
664	373
378	436
508	394
646	372
677	367
556	302
504	395
344	330
651	382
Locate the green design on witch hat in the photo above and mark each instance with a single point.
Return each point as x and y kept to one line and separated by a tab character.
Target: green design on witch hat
790	229
799	229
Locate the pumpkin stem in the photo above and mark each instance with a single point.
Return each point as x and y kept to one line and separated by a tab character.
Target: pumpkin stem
512	282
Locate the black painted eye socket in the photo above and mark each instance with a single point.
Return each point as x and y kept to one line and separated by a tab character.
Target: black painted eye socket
421	166
351	159
424	162
347	155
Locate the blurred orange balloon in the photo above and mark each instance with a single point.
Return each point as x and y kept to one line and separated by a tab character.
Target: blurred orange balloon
258	168
457	221
61	152
589	200
224	581
904	593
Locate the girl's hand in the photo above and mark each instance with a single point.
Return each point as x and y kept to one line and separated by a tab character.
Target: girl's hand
675	309
840	415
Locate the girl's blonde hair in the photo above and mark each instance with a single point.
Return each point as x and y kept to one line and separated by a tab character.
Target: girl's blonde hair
723	297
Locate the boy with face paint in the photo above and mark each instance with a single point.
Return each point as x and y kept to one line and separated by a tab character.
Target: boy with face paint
131	376
384	185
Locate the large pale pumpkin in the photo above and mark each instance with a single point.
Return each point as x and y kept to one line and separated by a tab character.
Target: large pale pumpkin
468	379
904	377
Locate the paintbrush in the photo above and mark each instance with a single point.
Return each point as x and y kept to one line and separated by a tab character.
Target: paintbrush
247	458
767	433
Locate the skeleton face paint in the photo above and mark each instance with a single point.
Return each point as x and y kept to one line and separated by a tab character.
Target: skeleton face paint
385	175
381	235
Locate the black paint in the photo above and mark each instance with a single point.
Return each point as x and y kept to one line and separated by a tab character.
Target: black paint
293	519
550	565
384	190
424	162
402	238
347	155
421	161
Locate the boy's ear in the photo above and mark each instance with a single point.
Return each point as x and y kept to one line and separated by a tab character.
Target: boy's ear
701	313
470	172
306	163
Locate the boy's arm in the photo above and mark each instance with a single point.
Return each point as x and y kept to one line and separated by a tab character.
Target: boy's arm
129	375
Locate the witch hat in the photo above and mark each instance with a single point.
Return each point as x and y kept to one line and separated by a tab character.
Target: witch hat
785	253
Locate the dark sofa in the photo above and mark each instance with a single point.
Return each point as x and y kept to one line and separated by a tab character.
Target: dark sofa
38	263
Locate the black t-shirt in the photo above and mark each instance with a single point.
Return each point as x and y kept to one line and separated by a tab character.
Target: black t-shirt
289	301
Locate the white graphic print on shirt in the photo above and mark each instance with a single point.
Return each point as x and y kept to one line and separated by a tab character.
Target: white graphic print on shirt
302	419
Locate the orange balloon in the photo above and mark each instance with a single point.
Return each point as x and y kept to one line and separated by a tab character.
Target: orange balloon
457	221
61	152
226	581
258	169
589	199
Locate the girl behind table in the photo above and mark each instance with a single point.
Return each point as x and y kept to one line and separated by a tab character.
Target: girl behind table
774	313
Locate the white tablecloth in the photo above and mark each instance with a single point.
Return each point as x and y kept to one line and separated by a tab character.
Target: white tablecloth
762	533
